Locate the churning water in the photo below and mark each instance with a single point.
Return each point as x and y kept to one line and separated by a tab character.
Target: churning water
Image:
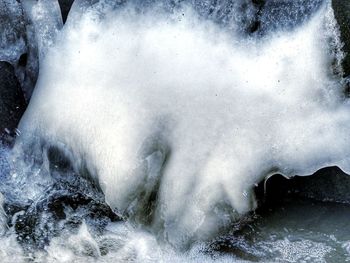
152	122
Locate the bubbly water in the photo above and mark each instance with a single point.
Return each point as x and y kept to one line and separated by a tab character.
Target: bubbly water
152	122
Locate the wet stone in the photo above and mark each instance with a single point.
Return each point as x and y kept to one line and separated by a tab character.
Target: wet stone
12	102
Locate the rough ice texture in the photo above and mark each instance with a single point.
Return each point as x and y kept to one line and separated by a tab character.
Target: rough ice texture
12	28
43	21
45	18
176	118
13	41
28	28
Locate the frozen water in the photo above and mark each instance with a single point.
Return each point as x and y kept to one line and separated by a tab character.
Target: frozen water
12	28
175	113
177	118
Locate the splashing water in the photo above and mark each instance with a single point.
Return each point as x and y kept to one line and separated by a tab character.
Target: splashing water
170	115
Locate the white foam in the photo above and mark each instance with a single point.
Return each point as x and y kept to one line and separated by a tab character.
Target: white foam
121	243
142	99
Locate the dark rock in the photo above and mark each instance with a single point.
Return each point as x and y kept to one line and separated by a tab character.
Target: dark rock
342	14
18	45
12	102
328	184
66	204
46	219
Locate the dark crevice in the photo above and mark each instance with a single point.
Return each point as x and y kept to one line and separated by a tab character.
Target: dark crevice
12	103
23	59
65	6
329	184
256	24
58	160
